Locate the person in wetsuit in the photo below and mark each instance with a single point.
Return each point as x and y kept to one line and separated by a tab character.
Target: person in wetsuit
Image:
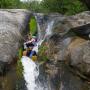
29	52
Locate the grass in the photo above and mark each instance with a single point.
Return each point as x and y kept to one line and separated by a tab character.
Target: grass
19	67
33	26
19	72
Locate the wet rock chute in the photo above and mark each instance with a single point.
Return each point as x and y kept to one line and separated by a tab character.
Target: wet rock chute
31	69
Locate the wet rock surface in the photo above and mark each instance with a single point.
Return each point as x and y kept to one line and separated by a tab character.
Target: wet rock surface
8	80
61	78
3	68
68	53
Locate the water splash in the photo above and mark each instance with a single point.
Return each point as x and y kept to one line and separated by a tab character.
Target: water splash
38	19
30	73
49	28
48	32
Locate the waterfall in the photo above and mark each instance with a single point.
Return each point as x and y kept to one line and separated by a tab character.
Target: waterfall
47	32
39	32
30	73
30	68
49	28
38	20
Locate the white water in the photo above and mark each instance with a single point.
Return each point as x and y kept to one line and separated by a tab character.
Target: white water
49	28
38	26
31	69
30	73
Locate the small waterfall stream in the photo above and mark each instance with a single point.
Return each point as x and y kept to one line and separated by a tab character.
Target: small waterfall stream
49	28
30	73
31	69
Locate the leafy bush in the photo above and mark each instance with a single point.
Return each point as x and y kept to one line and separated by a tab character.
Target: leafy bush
10	4
67	7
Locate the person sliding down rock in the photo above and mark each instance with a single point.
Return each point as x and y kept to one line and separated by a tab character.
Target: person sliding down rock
31	41
29	52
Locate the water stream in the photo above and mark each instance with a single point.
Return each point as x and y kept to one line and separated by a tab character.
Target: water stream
31	68
30	73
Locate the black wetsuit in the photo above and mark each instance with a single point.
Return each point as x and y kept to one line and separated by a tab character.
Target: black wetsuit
29	45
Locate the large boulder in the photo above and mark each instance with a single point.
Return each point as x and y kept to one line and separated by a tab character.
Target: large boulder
77	23
70	40
13	24
69	52
80	55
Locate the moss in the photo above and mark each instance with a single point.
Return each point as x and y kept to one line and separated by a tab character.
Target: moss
33	26
20	53
19	67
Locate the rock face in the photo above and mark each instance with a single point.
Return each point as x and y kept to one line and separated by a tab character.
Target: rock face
64	23
12	26
69	53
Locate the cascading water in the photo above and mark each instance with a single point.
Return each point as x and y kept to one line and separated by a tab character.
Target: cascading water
49	28
31	69
30	72
38	19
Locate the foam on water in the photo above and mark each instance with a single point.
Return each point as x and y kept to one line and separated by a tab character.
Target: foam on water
30	73
49	28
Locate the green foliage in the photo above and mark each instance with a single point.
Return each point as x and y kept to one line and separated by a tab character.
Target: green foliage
10	4
34	6
75	7
19	67
20	53
67	7
33	26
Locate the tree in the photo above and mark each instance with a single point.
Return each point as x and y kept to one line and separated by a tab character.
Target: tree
63	6
9	4
34	6
67	7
